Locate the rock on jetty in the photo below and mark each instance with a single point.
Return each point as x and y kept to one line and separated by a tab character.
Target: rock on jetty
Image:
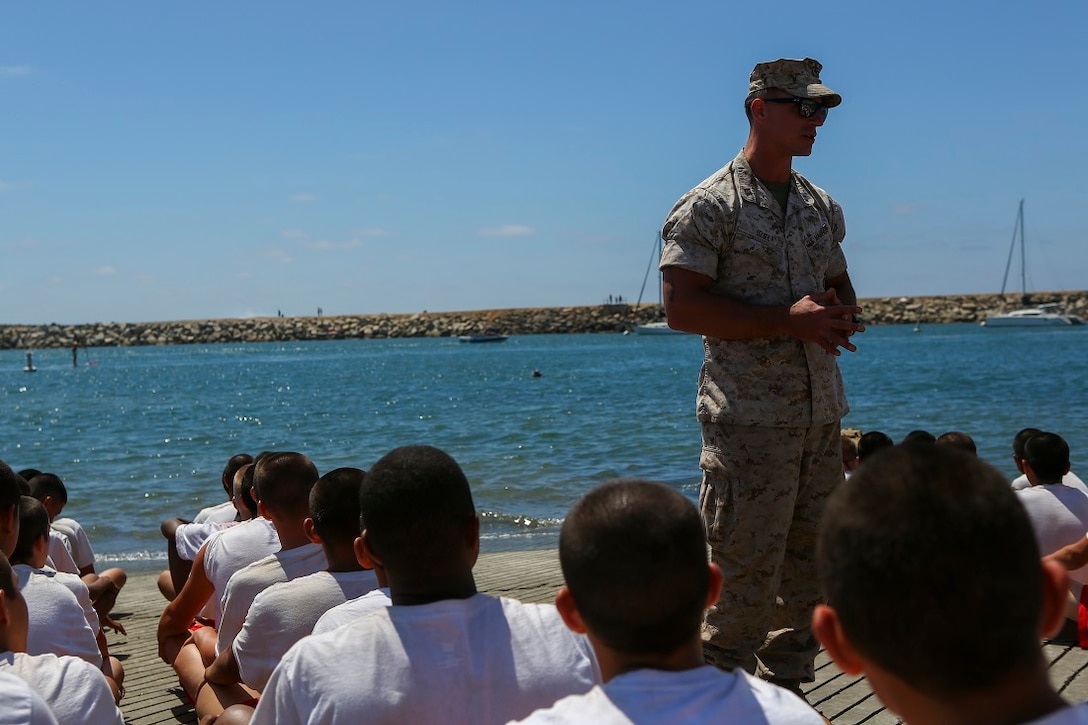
526	321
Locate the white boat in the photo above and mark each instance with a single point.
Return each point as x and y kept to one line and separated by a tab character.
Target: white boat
1046	315
657	328
1049	314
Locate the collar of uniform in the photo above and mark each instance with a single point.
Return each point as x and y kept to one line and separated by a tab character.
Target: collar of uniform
752	191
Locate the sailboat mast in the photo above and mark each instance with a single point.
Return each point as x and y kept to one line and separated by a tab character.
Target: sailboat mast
1023	258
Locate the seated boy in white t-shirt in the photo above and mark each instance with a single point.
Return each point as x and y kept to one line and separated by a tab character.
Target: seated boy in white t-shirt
103	588
62	620
282	482
911	549
442	652
286	612
634	560
198	602
184	538
74	689
20	705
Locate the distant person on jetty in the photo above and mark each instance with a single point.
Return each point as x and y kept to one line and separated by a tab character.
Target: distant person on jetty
74	689
947	524
1021	481
633	555
753	262
442	652
871	442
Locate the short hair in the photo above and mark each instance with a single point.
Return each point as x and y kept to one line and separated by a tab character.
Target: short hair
247	487
234	463
334	505
33	524
24	487
415	506
919	541
1021	439
871	442
10	490
958	439
48	484
633	555
283	481
919	436
748	102
1048	456
29	473
9	584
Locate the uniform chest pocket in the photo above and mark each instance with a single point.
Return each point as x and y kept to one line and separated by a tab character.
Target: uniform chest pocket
757	247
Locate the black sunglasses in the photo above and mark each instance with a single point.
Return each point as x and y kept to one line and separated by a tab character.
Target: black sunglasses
805	106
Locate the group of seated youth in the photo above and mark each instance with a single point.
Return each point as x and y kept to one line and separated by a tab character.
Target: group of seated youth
350	597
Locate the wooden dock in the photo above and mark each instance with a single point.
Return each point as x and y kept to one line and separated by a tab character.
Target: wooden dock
153	695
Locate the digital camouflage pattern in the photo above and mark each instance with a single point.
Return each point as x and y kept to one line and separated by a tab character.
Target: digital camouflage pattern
762	497
732	230
800	78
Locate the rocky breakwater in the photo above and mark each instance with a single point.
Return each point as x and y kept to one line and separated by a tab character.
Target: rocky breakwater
525	321
962	308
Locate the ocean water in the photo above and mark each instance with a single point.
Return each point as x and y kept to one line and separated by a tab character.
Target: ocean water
141	434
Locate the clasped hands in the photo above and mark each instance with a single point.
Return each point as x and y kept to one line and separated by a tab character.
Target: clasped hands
823	319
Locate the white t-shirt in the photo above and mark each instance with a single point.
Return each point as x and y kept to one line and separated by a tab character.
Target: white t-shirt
74	690
188	538
477	660
58	623
83	595
352	610
1069	479
1059	515
77	539
235	548
219	513
60	555
247	583
702	695
1074	715
286	612
20	705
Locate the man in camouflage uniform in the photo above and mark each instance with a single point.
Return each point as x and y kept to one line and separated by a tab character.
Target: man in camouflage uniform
752	261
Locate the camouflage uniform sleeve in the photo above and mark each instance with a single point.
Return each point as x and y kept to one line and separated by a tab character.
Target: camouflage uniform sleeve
837	264
694	233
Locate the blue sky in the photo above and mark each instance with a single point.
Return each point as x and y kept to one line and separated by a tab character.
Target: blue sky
173	161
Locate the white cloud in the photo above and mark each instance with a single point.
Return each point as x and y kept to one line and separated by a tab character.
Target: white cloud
105	271
325	245
371	232
508	230
279	256
303	198
293	234
6	185
13	71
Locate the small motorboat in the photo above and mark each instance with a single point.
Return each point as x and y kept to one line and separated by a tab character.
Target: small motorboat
483	337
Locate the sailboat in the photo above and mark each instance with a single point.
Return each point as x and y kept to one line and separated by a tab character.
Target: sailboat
654	328
1041	315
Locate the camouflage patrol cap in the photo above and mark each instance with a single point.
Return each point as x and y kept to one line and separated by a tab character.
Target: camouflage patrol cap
800	78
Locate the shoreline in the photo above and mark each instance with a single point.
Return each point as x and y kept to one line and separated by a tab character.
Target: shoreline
605	318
